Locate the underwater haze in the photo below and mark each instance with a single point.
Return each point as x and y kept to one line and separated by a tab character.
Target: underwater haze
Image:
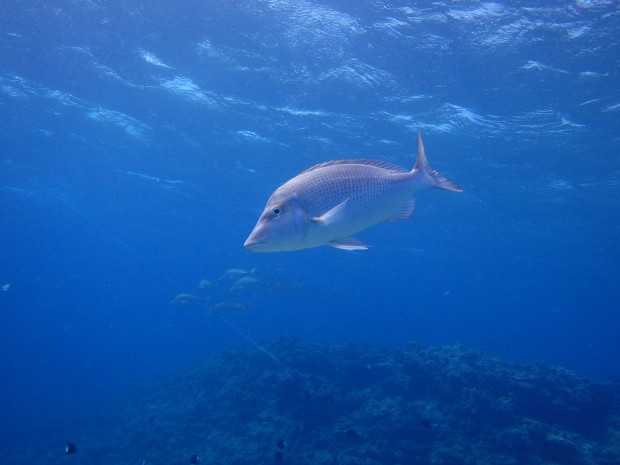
140	141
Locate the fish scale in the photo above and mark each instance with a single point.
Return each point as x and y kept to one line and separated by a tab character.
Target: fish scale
354	181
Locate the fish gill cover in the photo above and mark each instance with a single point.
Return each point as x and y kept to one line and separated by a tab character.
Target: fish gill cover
351	404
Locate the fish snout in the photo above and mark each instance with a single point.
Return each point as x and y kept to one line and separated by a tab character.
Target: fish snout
252	244
258	239
277	232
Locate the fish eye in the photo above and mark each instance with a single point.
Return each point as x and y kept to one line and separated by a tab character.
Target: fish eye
276	211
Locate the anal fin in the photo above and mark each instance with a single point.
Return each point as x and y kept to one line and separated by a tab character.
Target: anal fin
349	243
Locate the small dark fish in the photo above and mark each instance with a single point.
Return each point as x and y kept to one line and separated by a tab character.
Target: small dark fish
426	423
279	456
70	448
194	459
281	444
352	433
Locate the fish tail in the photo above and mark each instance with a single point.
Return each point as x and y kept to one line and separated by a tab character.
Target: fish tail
435	178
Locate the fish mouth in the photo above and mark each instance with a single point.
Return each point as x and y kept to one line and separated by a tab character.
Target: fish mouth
257	245
254	245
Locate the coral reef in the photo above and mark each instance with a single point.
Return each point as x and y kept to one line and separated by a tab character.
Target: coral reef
348	404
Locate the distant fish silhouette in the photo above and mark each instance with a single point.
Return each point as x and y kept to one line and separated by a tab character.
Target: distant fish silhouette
232	274
205	284
245	284
70	448
426	423
281	444
187	300
194	459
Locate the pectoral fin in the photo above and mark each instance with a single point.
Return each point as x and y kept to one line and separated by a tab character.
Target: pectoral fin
349	243
332	216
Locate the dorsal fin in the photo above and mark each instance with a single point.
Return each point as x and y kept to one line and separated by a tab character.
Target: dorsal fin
360	161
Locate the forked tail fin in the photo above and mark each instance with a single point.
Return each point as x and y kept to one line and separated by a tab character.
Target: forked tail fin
436	179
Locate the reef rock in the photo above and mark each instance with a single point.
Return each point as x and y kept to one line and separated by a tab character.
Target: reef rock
348	404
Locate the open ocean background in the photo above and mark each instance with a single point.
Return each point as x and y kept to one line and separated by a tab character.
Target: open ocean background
140	140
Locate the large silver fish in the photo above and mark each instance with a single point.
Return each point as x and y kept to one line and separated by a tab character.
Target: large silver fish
327	203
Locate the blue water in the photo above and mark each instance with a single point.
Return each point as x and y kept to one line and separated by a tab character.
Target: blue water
141	140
